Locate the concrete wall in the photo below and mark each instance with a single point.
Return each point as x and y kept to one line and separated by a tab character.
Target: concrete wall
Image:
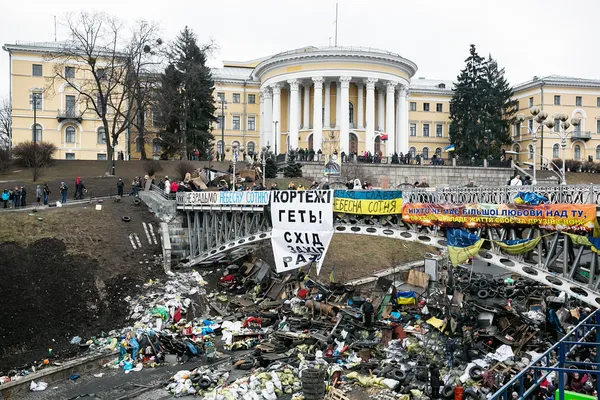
440	176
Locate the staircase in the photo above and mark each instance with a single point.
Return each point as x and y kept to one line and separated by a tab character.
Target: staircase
179	238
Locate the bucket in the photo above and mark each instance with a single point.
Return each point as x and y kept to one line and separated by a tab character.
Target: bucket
458	392
365	354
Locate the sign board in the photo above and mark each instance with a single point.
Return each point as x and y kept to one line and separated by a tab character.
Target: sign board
302	227
370	202
239	198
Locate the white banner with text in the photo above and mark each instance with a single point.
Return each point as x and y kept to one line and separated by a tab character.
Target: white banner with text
302	227
245	198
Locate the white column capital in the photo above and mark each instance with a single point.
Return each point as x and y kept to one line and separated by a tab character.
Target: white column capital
276	87
307	84
327	83
359	85
391	86
265	93
294	84
403	90
345	81
318	81
370	82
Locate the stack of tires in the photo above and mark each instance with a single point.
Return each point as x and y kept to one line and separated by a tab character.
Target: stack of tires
313	383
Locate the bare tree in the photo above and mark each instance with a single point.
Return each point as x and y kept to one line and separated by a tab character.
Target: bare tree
105	57
5	123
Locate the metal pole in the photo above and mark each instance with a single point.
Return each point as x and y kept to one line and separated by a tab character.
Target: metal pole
276	154
264	163
222	129
563	144
234	154
34	119
534	181
336	23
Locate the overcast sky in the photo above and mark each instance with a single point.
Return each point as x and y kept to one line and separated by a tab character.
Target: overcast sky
527	37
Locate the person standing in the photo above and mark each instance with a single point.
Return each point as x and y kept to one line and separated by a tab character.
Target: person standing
516	181
17	197
434	381
63	192
80	190
367	309
23	196
120	186
38	194
5	197
46	192
167	185
77	187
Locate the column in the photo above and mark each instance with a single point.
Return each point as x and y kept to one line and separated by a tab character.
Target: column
380	124
338	96
267	121
295	105
397	122
299	110
403	124
345	114
370	134
262	140
289	103
318	113
306	120
276	120
327	111
390	129
360	112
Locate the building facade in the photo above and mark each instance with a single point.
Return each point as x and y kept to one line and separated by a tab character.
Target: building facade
347	99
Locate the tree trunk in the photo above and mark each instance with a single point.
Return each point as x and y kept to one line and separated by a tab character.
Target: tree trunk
141	132
109	148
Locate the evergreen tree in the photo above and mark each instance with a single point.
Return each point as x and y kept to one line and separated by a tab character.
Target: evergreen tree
270	166
185	99
481	109
292	169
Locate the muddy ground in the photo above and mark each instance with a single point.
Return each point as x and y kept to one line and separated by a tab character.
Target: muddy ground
67	274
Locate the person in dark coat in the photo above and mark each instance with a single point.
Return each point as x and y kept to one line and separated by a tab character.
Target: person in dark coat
434	381
367	309
120	185
23	196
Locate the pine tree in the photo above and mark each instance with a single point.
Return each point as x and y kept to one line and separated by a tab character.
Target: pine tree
270	166
185	99
481	109
292	169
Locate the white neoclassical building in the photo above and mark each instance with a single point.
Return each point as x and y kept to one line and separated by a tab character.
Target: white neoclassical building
355	96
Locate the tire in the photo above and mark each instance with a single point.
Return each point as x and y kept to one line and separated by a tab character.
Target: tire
126	219
447	392
510	292
483	294
399	375
475	373
137	201
470	394
246	365
204	383
483	284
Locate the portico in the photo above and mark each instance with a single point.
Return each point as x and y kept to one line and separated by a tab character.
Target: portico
319	96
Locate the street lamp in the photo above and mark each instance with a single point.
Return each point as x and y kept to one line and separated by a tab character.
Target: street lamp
562	134
276	154
35	98
540	118
560	173
223	102
236	149
265	151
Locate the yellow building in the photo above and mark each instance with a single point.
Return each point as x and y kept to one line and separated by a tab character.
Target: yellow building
61	115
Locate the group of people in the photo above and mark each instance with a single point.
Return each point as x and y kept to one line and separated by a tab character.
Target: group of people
516	181
17	197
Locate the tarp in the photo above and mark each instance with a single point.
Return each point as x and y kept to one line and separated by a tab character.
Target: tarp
462	245
302	227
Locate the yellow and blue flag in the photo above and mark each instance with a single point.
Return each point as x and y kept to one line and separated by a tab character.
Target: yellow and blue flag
593	242
531	198
518	246
462	245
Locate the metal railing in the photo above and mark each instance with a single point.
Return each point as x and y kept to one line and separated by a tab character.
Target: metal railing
581	135
556	194
545	365
69	114
162	193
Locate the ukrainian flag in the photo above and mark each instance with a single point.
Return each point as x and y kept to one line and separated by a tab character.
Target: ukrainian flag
462	245
593	242
531	198
518	246
449	148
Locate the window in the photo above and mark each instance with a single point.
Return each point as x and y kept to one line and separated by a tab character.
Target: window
101	72
251	123
101	156
235	122
578	101
438	152
413	105
413	129
219	120
69	156
598	152
425	106
530	102
236	97
555	150
530	151
70	105
251	99
70	134
438	107
351	113
250	146
36	100
220	147
577	149
556	125
442	86
101	135
36	70
425	130
530	125
439	130
557	100
156	147
221	96
426	153
413	152
518	129
70	72
37	133
598	126
597	101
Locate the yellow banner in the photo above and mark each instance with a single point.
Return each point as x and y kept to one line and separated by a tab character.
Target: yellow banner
368	202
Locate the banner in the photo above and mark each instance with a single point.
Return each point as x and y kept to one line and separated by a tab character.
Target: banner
562	217
245	198
302	227
371	202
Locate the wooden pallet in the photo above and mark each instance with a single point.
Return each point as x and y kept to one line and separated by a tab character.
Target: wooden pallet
335	394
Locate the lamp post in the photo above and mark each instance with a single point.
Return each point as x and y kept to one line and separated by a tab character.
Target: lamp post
558	171
276	154
35	97
223	102
540	117
265	151
563	134
236	149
